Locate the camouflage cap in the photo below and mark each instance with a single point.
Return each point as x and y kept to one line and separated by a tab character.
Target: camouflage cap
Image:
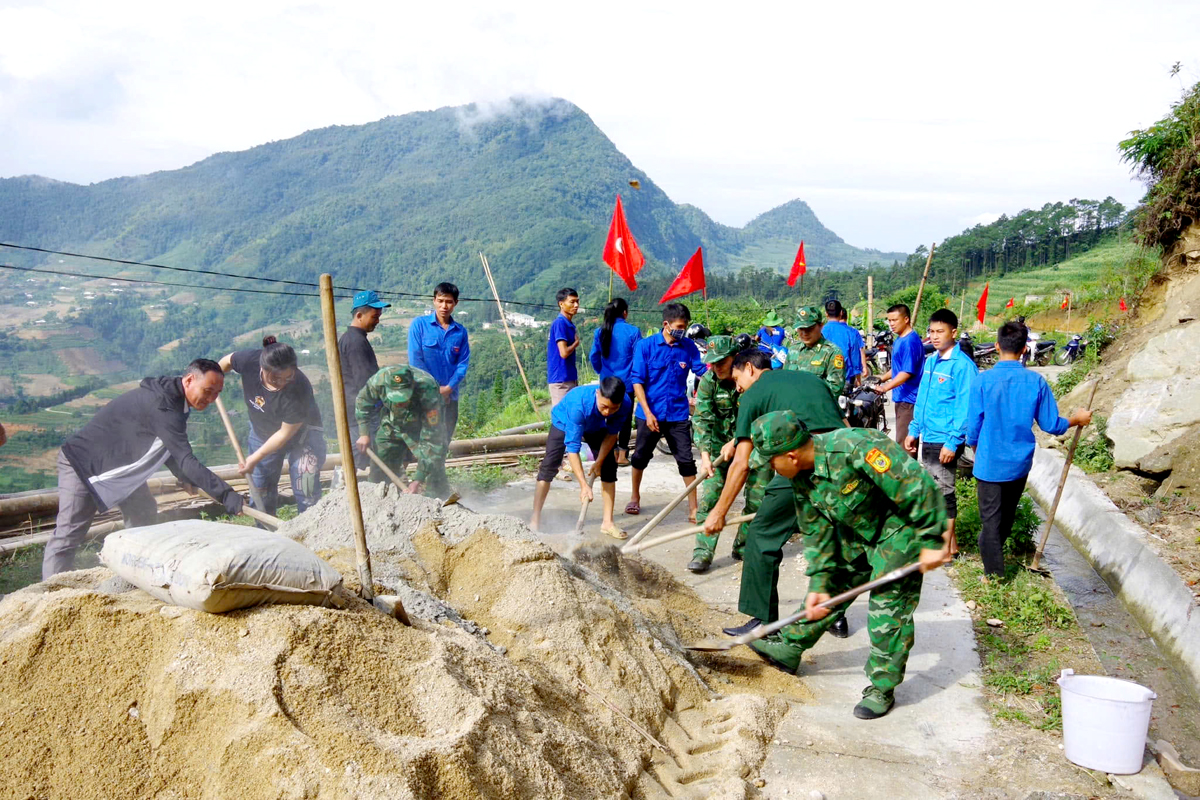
399	390
720	347
807	316
774	433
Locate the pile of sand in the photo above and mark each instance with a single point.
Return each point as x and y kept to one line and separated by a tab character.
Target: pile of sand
107	694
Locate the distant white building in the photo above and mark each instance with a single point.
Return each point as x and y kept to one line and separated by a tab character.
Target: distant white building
519	320
30	303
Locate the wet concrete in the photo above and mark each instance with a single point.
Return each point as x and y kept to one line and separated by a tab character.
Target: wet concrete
1124	649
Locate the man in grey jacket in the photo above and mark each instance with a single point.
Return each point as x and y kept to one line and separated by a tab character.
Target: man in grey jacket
107	462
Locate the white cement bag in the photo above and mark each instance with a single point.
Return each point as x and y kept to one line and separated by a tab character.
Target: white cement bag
216	567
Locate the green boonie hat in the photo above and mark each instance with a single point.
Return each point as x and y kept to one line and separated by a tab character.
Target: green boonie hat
773	320
807	316
399	390
775	433
720	347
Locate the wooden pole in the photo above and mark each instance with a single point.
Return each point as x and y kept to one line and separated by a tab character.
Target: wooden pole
610	285
870	326
334	361
660	516
1068	311
921	288
386	470
670	537
237	451
487	270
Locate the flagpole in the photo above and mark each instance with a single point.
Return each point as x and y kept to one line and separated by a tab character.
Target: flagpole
707	318
610	285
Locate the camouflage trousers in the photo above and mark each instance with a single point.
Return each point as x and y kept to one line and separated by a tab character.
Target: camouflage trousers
710	492
396	454
889	613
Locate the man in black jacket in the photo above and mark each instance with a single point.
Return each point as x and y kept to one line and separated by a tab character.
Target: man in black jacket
358	360
107	462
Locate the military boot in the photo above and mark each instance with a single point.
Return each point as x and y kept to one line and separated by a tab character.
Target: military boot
701	561
778	653
875	703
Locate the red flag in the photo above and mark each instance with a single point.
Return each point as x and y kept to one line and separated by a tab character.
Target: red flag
690	278
981	306
1123	307
798	266
621	252
1066	301
1011	302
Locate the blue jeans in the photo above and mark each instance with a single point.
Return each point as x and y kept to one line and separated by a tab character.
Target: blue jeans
305	454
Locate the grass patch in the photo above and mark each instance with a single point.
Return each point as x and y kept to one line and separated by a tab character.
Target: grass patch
21	568
482	478
968	522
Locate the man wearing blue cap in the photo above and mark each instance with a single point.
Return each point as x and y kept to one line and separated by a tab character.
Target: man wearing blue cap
358	358
438	345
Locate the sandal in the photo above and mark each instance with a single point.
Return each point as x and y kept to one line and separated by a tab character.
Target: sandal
692	518
632	508
615	532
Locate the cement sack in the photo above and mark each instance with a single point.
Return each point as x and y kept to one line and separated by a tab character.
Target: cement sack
215	567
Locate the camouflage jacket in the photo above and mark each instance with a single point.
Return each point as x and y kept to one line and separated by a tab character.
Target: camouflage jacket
862	490
824	359
716	413
411	413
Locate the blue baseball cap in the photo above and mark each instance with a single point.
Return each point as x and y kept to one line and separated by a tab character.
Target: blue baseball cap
369	298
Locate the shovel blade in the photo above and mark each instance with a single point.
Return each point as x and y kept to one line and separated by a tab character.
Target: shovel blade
713	645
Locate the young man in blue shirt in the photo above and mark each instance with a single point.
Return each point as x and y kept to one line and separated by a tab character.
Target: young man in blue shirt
438	345
848	340
592	414
660	369
939	425
905	375
1004	403
561	372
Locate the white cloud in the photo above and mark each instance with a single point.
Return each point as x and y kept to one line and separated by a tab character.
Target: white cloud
896	122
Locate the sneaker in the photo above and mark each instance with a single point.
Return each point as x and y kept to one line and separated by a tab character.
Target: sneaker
840	629
740	629
700	564
875	703
778	653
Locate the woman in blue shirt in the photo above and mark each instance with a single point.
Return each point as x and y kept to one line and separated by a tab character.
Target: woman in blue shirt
612	356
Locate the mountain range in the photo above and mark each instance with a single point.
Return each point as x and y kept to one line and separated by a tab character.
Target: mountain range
409	200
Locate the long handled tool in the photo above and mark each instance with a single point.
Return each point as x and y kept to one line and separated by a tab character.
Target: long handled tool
386	470
670	537
255	514
237	451
583	511
1062	481
660	516
766	630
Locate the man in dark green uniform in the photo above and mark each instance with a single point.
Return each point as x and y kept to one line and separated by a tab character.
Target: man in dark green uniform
764	390
866	509
816	354
715	421
411	426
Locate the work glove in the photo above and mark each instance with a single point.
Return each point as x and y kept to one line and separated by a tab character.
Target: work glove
234	503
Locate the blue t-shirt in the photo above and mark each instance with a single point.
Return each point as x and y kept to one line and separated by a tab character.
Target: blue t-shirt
662	369
1004	402
908	355
577	414
848	341
444	353
619	361
559	369
771	339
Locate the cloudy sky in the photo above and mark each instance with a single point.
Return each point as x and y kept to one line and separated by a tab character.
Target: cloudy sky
899	123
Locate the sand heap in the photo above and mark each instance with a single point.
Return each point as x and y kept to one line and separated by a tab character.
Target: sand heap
116	695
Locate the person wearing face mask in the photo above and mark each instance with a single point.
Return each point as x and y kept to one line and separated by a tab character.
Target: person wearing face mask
660	370
438	345
284	422
107	462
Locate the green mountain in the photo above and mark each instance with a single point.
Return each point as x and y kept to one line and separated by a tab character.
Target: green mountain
406	201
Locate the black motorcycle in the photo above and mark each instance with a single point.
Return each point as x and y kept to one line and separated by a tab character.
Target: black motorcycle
984	355
1073	351
863	407
1038	351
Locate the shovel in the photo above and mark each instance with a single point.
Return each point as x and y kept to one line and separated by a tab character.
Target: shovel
713	645
660	516
670	537
237	451
386	470
583	511
1062	481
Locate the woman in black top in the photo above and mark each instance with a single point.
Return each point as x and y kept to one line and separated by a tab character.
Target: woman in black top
284	421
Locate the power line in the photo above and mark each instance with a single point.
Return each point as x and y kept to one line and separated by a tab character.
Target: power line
158	283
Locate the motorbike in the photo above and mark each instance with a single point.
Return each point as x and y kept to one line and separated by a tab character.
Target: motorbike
984	355
1072	351
863	407
1039	350
879	357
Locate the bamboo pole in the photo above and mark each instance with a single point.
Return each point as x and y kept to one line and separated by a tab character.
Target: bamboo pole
334	360
255	495
487	270
870	311
921	288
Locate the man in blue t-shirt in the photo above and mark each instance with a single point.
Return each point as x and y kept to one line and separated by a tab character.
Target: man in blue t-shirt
848	340
908	356
660	369
561	373
592	414
438	345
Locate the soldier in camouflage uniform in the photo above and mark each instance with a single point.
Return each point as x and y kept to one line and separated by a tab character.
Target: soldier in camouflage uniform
411	427
715	421
865	508
816	354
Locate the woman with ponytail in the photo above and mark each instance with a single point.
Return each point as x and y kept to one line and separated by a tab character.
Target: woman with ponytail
612	356
284	422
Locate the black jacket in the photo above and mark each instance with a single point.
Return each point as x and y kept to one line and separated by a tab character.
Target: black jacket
135	434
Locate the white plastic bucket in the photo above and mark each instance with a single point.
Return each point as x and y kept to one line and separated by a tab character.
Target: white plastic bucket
1105	721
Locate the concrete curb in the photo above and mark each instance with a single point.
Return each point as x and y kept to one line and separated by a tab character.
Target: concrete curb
1116	548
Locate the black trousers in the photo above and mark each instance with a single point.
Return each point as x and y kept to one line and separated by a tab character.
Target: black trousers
997	510
626	429
450	415
556	448
679	440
